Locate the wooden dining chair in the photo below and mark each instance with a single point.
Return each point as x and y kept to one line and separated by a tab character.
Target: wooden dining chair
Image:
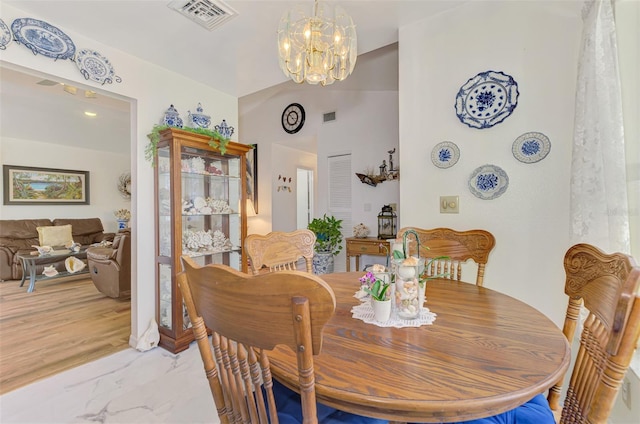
248	316
280	251
606	285
458	246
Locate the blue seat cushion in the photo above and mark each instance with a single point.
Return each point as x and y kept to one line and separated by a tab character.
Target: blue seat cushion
290	410
536	411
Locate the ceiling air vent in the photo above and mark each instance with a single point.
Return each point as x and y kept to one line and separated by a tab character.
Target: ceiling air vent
328	117
206	13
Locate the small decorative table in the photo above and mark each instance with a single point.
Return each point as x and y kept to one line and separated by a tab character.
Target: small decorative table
365	246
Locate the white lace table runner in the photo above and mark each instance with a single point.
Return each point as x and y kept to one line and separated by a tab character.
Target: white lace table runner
364	312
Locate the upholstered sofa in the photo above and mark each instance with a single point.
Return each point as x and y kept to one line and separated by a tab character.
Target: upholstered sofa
19	235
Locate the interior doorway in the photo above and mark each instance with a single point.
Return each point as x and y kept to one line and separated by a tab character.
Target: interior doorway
60	140
304	202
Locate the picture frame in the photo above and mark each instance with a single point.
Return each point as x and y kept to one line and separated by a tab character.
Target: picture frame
26	185
252	177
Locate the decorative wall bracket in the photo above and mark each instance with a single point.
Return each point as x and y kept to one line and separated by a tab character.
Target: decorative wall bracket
385	174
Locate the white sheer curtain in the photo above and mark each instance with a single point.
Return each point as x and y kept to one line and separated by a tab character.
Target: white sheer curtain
599	207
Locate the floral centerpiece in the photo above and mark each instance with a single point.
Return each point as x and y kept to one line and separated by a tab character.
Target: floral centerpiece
376	283
377	280
122	214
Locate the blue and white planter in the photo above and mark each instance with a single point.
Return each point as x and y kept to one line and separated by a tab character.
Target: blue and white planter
322	263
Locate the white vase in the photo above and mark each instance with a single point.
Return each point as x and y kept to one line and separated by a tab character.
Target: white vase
381	310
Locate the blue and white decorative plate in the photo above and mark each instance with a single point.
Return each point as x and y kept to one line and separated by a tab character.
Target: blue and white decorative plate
5	35
445	154
531	147
486	99
43	38
488	182
96	67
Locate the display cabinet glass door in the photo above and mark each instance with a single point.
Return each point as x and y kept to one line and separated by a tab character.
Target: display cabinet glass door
211	220
165	274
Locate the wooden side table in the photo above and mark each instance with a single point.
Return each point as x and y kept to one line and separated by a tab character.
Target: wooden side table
364	246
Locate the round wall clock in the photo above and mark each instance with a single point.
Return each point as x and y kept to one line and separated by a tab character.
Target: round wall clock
293	118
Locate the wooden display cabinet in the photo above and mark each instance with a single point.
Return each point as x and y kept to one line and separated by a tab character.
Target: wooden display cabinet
200	212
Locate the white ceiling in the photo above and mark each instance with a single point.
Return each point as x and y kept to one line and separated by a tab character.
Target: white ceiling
30	111
239	57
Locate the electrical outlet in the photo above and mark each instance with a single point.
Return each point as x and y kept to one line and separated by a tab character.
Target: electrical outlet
625	392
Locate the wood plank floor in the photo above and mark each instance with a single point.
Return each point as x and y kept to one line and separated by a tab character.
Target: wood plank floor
64	323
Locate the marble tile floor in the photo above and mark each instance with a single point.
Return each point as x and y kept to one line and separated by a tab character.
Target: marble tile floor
150	387
126	387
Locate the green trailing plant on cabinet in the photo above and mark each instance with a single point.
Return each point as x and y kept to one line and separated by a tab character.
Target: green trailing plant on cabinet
216	141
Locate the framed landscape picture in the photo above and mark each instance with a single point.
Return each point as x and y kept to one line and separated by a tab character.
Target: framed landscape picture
24	185
252	177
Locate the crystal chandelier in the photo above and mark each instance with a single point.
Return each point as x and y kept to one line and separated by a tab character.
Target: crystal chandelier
321	48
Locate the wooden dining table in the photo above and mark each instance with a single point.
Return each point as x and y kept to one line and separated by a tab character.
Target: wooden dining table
485	353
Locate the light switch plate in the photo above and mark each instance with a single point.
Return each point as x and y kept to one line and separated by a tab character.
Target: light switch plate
449	204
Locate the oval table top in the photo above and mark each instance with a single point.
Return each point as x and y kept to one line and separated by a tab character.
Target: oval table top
485	353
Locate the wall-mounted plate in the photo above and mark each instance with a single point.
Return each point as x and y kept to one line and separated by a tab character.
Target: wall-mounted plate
531	147
43	38
486	99
5	35
488	182
94	66
445	154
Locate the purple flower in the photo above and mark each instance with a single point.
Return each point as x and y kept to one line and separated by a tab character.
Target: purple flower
368	279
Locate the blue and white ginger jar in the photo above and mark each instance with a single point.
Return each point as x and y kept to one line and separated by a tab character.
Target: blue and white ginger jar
172	118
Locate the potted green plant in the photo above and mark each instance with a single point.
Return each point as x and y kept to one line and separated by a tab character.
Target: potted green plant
375	286
328	231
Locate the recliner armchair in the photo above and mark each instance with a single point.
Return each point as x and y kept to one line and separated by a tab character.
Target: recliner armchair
110	267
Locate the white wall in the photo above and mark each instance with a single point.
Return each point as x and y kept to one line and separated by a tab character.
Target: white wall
287	162
151	89
531	220
104	169
627	15
366	126
367	129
